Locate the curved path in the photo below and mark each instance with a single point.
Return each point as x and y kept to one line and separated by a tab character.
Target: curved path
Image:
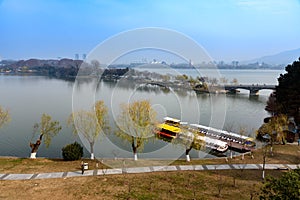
136	170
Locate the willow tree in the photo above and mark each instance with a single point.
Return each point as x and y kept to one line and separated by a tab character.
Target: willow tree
136	124
4	116
274	128
47	129
90	123
188	141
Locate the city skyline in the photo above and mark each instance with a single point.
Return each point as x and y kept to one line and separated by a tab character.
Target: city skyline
227	30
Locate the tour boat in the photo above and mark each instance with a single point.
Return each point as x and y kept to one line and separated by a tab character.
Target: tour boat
211	143
173	128
235	141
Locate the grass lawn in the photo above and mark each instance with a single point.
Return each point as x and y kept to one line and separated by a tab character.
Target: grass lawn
223	184
285	154
227	184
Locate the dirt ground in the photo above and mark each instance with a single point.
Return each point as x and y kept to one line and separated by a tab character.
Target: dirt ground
284	154
223	184
227	184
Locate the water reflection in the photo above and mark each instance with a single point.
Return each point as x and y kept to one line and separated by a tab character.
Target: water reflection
29	97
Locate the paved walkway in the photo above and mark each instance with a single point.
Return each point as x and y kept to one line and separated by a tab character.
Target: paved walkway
137	170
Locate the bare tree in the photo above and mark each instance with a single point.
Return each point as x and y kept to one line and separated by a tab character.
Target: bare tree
165	78
187	139
229	128
95	65
4	116
220	183
47	129
234	81
223	80
213	81
90	123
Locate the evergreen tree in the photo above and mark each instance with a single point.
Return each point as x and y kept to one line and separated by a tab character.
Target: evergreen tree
286	187
288	91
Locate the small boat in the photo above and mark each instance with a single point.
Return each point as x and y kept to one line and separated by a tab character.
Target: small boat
170	128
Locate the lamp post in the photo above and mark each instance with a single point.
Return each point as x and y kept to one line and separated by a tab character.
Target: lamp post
230	142
267	138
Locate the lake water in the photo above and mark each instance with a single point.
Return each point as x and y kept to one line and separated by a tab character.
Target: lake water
28	97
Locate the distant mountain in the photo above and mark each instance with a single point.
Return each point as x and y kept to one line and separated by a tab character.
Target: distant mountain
282	58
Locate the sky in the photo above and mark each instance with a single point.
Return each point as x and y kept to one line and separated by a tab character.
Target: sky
227	29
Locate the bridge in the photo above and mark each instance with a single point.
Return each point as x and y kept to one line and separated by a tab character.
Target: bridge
254	89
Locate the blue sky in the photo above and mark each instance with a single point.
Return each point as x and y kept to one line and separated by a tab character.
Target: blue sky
227	29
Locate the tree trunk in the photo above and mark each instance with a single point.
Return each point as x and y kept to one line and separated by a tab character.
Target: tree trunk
33	155
92	150
134	149
187	151
264	163
34	147
135	158
271	150
188	159
230	149
234	181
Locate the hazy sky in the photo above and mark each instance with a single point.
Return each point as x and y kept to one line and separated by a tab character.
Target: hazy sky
227	29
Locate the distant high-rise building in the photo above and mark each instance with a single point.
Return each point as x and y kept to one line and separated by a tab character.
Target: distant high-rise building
76	56
83	56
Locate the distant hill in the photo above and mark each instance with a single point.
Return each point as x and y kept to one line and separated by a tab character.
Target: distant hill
282	58
30	63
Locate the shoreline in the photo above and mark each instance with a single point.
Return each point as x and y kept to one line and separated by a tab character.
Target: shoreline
157	159
283	154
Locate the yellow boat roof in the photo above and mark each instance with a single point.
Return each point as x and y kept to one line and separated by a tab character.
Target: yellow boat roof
169	128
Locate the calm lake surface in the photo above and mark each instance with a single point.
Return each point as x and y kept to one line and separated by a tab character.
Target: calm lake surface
28	97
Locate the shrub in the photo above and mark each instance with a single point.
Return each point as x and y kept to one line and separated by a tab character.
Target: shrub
72	151
286	187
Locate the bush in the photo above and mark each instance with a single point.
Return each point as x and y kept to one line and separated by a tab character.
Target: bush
286	187
72	151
